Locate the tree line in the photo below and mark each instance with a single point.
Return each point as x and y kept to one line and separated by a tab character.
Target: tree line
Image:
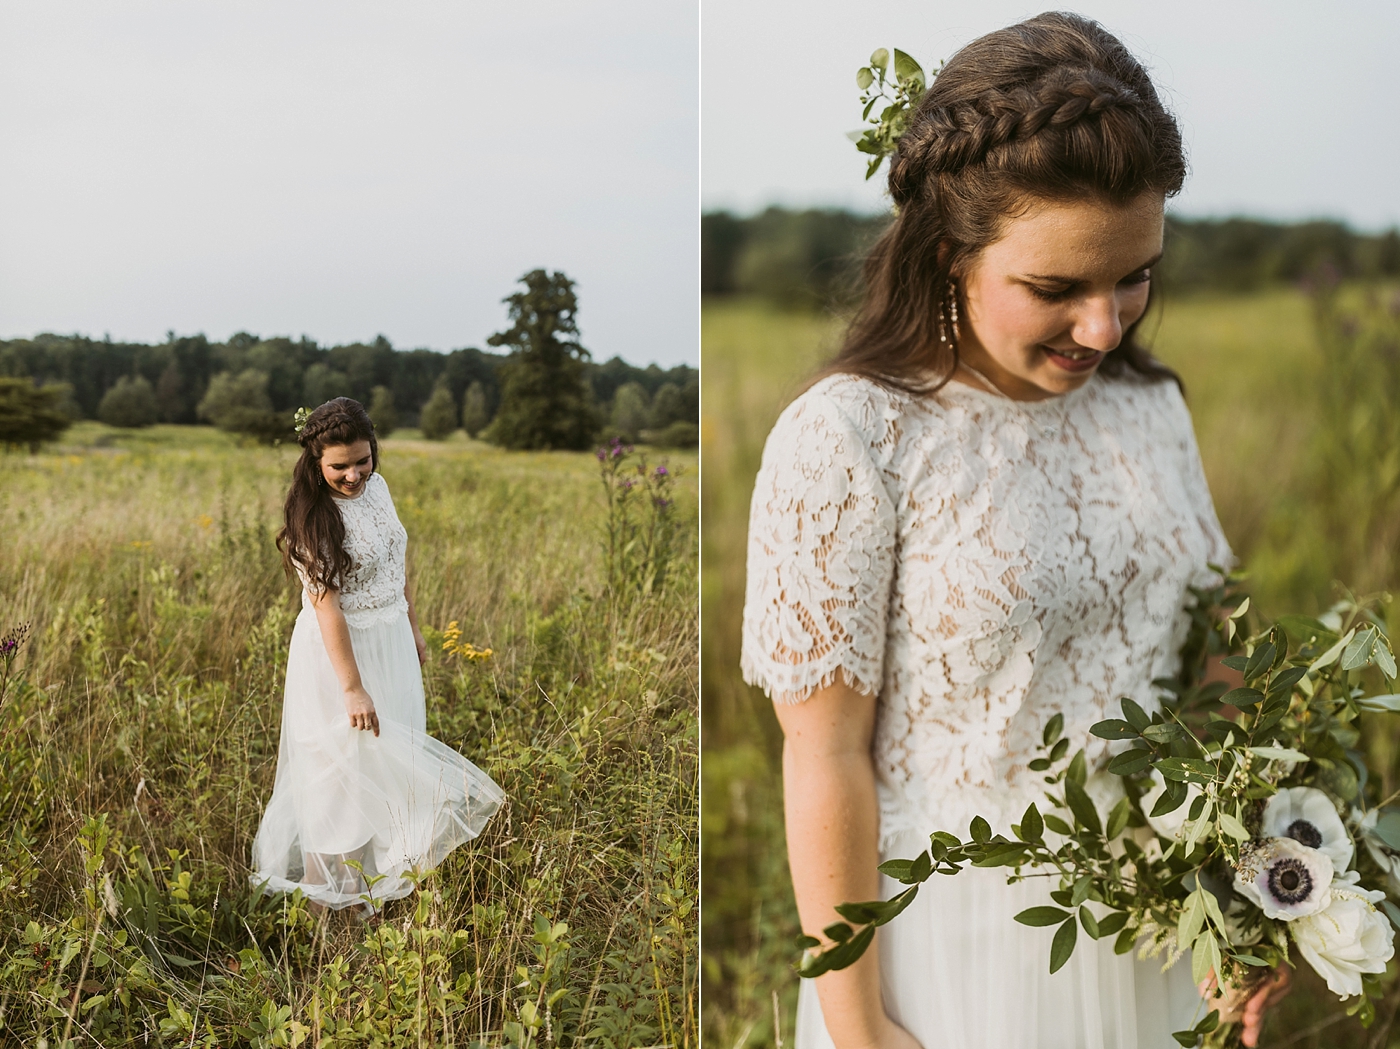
812	258
542	391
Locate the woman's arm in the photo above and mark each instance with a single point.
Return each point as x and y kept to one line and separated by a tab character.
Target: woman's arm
419	641
336	635
833	848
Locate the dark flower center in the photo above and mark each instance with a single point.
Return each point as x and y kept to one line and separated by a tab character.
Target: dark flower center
1289	881
1305	833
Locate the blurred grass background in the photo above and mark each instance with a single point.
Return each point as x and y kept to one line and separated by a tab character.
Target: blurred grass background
1296	403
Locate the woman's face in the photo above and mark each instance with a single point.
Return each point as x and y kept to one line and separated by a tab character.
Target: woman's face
1046	302
345	467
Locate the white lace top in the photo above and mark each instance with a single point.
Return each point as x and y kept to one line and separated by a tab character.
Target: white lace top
372	592
980	563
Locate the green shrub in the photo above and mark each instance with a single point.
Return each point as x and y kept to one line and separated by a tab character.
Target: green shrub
130	403
29	414
382	411
439	416
678	435
631	410
240	404
476	415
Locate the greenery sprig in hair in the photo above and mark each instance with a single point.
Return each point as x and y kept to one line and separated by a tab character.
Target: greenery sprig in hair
901	93
299	420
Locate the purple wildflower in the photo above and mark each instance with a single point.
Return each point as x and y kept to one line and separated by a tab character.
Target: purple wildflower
661	472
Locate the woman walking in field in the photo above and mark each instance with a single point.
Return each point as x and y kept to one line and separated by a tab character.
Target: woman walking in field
988	511
361	789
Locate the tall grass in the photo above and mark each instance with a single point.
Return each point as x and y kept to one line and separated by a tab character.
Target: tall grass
1296	404
138	745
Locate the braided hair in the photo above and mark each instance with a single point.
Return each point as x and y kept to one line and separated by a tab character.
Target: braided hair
1053	108
313	535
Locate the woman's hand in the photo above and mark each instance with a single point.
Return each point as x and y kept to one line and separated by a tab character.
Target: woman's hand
1247	1005
420	643
360	708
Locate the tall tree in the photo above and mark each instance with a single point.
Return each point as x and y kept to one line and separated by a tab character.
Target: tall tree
546	401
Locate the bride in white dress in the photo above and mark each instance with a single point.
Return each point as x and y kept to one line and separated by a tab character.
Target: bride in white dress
986	512
361	789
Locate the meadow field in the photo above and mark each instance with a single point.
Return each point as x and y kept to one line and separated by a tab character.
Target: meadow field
138	740
1296	403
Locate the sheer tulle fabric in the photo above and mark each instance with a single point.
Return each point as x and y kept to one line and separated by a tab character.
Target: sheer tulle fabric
959	973
392	803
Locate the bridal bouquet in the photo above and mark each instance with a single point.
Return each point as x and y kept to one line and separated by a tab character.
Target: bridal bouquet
1250	831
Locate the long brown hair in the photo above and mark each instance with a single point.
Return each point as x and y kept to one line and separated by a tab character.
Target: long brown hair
1053	108
313	534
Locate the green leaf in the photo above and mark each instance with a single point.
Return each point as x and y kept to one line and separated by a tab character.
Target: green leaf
1235	662
1385	659
1193	916
1042	916
1058	825
1078	768
1389	703
1392	912
1254	960
1058	750
806	943
1063	945
1032	826
1130	762
877	912
864	77
1283	682
1260	661
1306	630
1113	923
1039	764
1186	769
1127	937
905	67
1171	799
838	931
1387	828
1242	698
1090	923
1190	1039
1082	806
1233	827
1134	714
880	59
980	830
1163	733
1053	728
1278	753
1114	729
1359	652
1330	656
1209	1022
1080	893
1118	818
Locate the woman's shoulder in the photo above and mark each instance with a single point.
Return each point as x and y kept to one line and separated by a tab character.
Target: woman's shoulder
844	409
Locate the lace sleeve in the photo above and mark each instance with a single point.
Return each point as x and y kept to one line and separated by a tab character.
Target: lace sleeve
821	556
1198	490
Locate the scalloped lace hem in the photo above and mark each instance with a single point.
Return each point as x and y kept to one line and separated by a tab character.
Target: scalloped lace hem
794	684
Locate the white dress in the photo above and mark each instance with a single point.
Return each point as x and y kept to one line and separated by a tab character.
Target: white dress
392	803
980	564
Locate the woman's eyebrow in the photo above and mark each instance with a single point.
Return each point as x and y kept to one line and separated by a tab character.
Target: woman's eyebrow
1051	279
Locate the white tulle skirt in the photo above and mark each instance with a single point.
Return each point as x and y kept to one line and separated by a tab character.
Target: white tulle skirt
392	804
959	973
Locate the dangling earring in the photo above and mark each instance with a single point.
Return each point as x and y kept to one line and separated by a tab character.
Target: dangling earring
948	331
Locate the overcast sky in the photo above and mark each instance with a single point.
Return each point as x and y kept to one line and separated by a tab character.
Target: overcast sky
342	169
1290	109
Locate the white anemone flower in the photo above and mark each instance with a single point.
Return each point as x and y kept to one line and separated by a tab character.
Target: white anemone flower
1284	879
1347	939
1171	825
1308	816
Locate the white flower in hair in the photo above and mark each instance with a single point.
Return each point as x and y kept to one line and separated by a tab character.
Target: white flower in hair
1284	878
1308	816
1347	939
